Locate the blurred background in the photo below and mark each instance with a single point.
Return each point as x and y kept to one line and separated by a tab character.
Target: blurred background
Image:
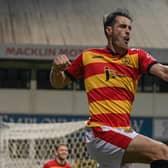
34	32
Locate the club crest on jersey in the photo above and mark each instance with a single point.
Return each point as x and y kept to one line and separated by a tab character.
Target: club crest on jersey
111	74
125	60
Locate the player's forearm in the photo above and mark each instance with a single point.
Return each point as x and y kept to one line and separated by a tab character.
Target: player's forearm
58	79
160	71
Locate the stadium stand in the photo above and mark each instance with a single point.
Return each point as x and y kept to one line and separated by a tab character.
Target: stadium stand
78	22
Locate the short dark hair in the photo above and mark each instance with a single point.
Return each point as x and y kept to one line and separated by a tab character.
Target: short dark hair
109	19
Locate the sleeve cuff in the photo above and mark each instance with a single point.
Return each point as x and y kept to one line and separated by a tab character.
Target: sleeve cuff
69	75
150	65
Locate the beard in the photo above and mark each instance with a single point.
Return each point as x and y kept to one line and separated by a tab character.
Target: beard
120	45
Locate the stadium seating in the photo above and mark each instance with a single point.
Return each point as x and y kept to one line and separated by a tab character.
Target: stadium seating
80	22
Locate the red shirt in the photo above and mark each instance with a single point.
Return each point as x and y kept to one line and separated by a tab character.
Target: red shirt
110	83
55	164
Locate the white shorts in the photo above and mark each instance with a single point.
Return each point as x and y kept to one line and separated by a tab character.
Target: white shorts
107	145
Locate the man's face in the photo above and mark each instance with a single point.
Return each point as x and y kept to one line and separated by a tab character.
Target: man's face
62	152
120	32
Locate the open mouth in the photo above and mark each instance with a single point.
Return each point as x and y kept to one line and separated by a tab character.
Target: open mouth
126	40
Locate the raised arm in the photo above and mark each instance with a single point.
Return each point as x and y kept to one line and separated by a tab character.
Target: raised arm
160	71
58	79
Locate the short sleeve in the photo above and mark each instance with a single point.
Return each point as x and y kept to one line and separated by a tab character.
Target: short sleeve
145	61
75	70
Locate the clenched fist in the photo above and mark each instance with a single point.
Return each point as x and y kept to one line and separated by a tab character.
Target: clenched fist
60	63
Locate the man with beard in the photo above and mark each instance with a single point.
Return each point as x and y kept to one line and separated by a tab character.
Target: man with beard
60	161
111	77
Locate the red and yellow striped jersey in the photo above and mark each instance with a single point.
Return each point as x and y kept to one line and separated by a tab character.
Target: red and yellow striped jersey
110	83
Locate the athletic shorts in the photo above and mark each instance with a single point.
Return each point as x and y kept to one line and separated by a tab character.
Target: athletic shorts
107	145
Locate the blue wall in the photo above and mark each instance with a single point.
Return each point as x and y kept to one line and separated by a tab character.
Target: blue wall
140	124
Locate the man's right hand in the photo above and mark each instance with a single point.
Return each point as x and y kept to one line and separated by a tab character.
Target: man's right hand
60	63
57	77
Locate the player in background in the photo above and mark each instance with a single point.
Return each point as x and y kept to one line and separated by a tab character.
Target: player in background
60	161
111	77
